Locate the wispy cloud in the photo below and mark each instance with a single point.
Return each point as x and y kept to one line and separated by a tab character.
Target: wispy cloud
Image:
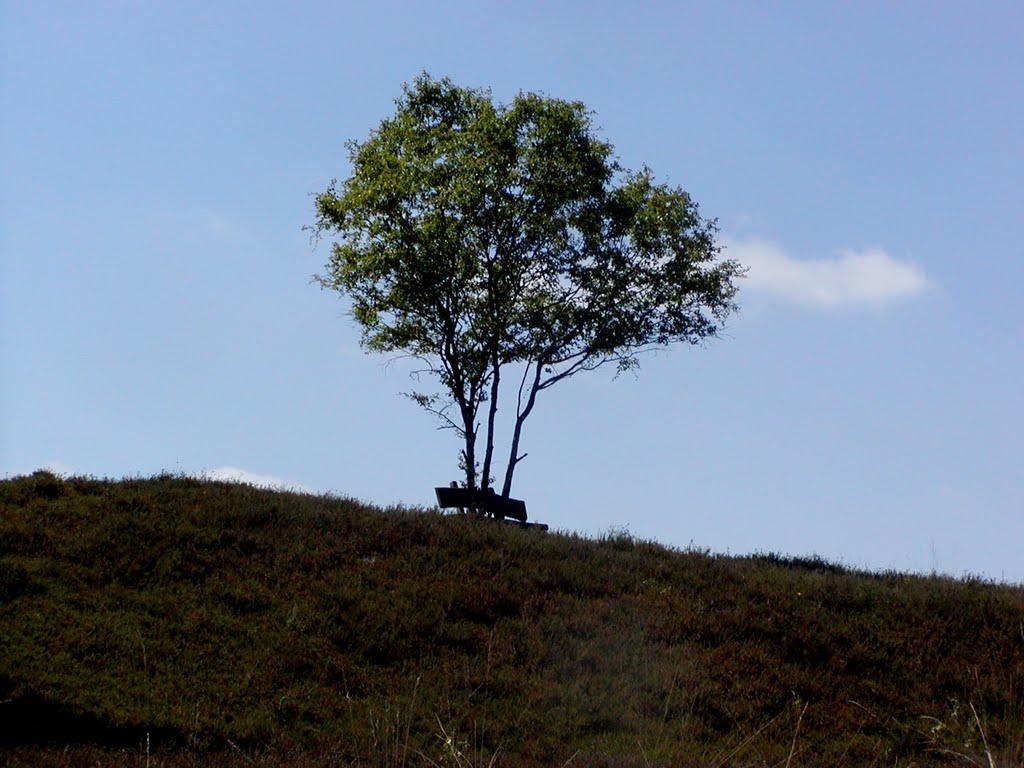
236	475
216	223
851	278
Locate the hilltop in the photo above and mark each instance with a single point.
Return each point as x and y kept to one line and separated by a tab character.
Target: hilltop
171	621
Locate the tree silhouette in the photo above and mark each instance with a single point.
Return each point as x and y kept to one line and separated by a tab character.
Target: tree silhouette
505	243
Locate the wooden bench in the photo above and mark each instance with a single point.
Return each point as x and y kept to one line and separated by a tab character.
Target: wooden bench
485	503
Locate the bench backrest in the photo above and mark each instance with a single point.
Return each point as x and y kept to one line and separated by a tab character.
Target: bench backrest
486	501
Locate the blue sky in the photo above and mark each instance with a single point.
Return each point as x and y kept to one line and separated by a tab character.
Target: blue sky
865	160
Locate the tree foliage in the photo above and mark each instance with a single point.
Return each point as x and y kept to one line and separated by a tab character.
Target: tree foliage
485	239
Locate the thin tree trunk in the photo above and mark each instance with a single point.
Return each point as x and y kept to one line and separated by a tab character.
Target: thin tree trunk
469	453
485	480
513	458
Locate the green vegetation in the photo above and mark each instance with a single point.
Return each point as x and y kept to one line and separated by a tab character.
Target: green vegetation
505	246
171	621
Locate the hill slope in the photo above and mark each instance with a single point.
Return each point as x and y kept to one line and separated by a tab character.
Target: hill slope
232	625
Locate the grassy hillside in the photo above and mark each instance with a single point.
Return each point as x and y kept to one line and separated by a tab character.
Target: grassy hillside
176	622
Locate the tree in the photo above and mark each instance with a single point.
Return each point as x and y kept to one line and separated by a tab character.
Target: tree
490	241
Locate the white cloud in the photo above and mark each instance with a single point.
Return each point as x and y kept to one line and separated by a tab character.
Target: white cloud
853	278
60	469
53	467
236	475
216	223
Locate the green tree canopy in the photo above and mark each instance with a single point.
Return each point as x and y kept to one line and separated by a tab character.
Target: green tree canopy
484	238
